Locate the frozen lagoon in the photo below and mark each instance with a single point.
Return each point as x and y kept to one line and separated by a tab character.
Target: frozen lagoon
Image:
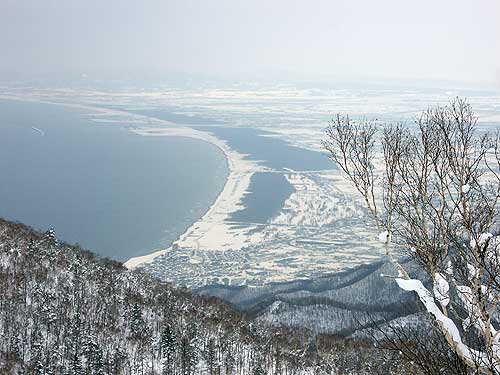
271	222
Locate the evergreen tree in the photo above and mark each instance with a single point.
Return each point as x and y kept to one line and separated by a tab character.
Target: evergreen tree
36	351
14	344
188	355
76	367
118	361
227	352
211	357
137	324
277	361
168	346
258	369
93	354
51	240
50	235
229	362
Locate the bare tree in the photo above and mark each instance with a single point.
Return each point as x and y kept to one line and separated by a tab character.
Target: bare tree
421	345
434	197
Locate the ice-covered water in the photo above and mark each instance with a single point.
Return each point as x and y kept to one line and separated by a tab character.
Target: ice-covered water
268	193
272	151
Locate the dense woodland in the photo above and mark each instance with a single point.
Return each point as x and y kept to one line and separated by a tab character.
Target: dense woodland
66	311
336	303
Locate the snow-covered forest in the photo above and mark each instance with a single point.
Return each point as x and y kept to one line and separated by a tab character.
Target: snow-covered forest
66	311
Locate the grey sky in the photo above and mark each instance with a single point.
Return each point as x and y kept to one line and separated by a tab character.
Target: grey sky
456	40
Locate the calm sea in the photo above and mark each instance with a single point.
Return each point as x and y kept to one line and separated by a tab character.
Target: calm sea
100	185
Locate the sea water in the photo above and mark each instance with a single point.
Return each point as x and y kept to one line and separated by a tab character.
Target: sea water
101	185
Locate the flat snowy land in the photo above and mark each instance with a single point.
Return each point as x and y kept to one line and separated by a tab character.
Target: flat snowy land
311	234
322	227
212	231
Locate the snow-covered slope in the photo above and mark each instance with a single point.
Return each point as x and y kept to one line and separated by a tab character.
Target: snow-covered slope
336	303
65	311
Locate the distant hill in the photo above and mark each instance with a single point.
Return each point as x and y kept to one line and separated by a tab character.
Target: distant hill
338	303
66	311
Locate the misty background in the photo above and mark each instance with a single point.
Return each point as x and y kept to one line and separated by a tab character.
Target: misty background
447	40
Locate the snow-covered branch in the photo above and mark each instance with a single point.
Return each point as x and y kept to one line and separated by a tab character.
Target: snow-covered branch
440	191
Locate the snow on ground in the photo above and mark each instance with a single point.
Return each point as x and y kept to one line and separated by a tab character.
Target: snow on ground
318	230
322	226
312	234
212	231
316	200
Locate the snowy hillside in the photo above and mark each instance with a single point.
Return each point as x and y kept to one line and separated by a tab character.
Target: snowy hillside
338	303
65	311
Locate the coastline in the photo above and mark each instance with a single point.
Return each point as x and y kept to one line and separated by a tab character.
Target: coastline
210	232
215	248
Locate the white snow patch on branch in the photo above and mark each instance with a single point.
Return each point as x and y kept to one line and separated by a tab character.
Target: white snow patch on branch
383	237
483	237
447	325
441	289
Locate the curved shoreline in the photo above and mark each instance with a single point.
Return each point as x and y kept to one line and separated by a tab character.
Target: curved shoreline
229	200
203	232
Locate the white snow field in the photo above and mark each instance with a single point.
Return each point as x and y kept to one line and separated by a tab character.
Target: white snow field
322	226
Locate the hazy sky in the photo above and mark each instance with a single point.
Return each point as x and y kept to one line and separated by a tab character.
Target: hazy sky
456	40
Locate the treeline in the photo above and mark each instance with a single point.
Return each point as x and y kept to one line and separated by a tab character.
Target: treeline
65	311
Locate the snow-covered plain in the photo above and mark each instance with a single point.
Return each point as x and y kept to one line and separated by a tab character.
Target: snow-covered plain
212	231
319	229
322	226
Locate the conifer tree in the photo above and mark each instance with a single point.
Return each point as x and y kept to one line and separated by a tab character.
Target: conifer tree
168	346
76	367
119	358
211	356
93	354
36	351
188	355
258	369
137	324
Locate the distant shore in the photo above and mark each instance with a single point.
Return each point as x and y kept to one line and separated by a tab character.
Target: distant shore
210	231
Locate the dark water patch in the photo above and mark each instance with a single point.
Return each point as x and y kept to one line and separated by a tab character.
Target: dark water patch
167	115
268	193
272	151
100	185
